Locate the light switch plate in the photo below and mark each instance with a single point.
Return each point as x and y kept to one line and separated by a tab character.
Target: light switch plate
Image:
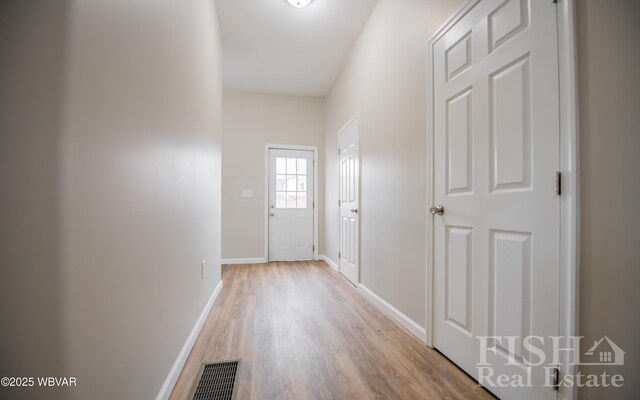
247	193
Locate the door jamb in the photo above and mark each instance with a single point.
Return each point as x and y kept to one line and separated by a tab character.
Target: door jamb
569	165
316	205
355	116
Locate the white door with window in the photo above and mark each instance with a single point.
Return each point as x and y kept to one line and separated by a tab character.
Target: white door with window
290	205
496	211
349	170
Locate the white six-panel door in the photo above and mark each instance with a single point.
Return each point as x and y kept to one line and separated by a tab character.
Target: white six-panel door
349	170
496	152
290	205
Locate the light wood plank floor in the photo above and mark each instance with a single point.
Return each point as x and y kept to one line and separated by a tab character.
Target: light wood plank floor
304	332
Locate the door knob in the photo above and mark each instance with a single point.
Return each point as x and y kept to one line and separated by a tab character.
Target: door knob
437	210
354	210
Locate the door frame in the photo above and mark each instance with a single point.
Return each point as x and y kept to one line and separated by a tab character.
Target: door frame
569	166
355	116
315	206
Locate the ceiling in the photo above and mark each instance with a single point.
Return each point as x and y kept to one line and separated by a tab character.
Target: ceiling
271	47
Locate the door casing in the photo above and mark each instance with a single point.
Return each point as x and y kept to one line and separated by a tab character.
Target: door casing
314	149
569	157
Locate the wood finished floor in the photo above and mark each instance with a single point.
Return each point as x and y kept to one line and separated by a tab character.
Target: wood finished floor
304	332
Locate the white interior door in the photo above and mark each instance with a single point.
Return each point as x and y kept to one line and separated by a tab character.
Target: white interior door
349	170
290	205
496	153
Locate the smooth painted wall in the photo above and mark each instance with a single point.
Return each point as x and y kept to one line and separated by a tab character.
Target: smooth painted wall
32	52
111	189
608	34
142	185
249	122
385	79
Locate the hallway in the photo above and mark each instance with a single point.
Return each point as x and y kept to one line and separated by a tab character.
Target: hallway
281	318
460	174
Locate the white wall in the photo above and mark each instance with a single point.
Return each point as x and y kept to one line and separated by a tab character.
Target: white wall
111	132
142	173
249	122
385	78
608	64
32	50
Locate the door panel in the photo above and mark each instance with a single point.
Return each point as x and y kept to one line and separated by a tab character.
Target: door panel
510	126
507	21
459	144
349	166
510	285
458	57
458	277
302	239
496	151
290	205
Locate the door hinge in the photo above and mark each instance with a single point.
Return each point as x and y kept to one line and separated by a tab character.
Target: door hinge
556	378
339	204
558	183
554	1
314	205
338	150
338	255
313	248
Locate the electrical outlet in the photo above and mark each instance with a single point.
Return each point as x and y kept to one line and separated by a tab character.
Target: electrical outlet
202	265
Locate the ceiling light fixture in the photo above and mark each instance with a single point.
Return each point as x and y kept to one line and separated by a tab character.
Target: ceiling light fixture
299	3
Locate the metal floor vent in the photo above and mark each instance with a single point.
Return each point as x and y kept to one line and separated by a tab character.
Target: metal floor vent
217	381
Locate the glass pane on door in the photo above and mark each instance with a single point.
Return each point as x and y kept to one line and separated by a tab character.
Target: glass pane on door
291	183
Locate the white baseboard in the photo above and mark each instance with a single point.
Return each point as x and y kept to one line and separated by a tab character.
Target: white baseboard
408	323
329	261
234	261
172	378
